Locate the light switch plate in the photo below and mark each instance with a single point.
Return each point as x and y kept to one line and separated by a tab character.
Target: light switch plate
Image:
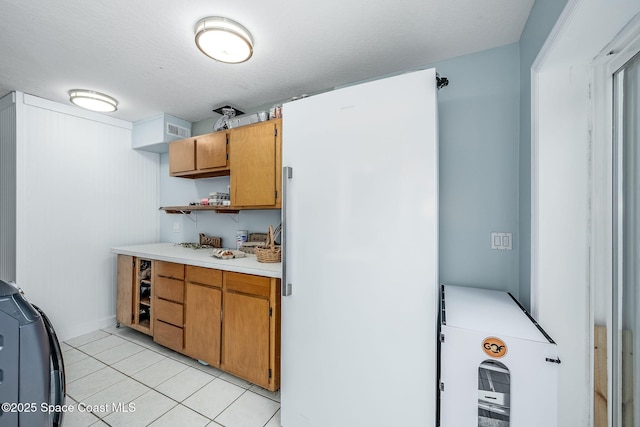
501	241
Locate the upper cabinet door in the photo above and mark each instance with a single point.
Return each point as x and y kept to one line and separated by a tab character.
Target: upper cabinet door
253	156
201	156
211	151
182	156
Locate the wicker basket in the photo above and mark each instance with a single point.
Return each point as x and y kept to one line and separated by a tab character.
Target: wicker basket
269	252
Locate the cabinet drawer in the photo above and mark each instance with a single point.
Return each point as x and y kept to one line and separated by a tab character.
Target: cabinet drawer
168	335
169	269
248	284
171	289
204	276
168	311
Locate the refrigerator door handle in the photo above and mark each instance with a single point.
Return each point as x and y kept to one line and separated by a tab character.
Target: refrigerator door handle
287	173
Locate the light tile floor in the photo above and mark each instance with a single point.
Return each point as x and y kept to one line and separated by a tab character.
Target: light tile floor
120	377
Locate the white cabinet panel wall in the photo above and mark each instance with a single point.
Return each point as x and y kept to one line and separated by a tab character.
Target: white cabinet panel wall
81	190
7	188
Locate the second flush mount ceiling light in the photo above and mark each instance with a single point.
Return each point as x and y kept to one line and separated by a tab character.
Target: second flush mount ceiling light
224	40
92	100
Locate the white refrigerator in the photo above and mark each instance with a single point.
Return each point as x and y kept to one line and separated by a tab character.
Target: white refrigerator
360	265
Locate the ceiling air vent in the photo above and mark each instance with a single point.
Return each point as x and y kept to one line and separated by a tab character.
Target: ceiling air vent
155	132
179	131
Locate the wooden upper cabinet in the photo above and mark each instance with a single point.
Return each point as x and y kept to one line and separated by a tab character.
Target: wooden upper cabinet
251	155
200	156
211	151
255	156
182	156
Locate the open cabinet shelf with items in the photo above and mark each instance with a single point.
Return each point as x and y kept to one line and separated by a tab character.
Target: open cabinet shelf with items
143	270
186	210
135	290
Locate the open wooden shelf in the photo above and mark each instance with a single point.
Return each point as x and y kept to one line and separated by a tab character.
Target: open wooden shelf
145	324
189	209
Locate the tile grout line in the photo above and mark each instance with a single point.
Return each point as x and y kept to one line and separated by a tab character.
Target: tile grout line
196	367
229	405
153	388
272	417
102	418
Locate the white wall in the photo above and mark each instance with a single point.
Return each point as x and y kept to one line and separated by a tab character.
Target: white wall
561	294
81	189
542	18
7	188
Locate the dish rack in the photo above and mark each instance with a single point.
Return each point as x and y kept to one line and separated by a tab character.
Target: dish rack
270	252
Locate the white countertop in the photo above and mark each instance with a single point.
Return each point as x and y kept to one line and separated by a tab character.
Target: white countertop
201	258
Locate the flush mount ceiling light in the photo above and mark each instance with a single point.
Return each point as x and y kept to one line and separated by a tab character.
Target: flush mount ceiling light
224	40
92	100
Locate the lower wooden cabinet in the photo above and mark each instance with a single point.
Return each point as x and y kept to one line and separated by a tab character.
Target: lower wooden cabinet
124	301
203	301
251	328
245	338
168	335
169	312
133	303
226	319
168	307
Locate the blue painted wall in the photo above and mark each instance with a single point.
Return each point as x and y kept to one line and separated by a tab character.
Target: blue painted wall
479	135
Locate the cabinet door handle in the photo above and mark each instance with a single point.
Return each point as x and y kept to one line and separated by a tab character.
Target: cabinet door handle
287	174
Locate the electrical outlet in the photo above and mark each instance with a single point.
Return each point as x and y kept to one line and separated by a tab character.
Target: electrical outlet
176	227
501	241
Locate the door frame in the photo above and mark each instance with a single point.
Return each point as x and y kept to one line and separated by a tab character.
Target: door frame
604	253
566	291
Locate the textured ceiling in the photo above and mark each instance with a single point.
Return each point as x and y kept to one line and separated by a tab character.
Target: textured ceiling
143	53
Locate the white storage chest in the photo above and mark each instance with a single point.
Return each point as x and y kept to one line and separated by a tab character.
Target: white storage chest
498	367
